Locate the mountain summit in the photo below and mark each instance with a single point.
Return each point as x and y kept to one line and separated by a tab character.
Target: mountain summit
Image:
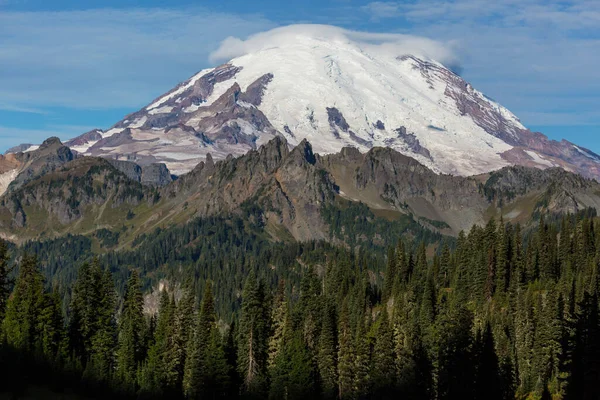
336	90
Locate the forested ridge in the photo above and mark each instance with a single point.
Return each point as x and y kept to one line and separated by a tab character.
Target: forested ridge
499	313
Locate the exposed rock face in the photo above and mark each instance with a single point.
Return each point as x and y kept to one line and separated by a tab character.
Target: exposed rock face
156	175
64	194
16	169
130	169
286	185
334	94
282	188
386	179
191	122
336	119
412	143
149	175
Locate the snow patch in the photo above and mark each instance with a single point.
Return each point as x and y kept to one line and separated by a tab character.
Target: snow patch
111	132
6	179
161	110
31	148
539	159
586	154
245	104
138	123
182	88
192	108
84	147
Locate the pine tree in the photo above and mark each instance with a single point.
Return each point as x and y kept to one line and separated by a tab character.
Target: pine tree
383	374
92	328
5	280
487	374
390	274
445	267
502	259
345	357
279	321
131	347
327	355
453	356
185	320
23	321
206	367
156	373
253	339
53	335
102	342
362	362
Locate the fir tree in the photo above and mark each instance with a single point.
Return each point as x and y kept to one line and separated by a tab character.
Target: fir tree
279	322
23	323
253	339
327	355
206	371
131	347
156	373
487	373
5	280
345	357
383	374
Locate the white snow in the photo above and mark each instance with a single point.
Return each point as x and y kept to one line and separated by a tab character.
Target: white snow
6	179
245	104
160	110
365	83
84	147
111	132
138	123
366	80
539	159
182	88
31	148
585	153
192	108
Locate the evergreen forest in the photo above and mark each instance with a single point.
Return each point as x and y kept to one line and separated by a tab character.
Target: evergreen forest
499	312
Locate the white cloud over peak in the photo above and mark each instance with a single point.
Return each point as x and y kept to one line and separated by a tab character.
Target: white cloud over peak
394	44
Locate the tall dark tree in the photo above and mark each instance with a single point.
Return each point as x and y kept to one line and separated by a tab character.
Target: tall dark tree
253	338
23	324
101	362
327	355
5	280
132	327
159	374
487	373
206	371
383	376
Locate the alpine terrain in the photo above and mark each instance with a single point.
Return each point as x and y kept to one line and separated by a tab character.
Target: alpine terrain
335	91
321	217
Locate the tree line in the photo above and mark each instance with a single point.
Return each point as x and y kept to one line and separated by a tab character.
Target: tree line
499	314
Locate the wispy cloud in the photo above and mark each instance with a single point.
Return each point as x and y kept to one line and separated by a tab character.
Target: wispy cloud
107	58
19	109
393	43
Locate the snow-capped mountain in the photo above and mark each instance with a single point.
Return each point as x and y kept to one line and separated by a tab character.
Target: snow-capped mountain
335	92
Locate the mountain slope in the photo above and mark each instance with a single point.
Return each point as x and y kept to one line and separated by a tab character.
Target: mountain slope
335	92
293	194
16	169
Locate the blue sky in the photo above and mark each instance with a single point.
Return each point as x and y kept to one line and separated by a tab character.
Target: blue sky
69	66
